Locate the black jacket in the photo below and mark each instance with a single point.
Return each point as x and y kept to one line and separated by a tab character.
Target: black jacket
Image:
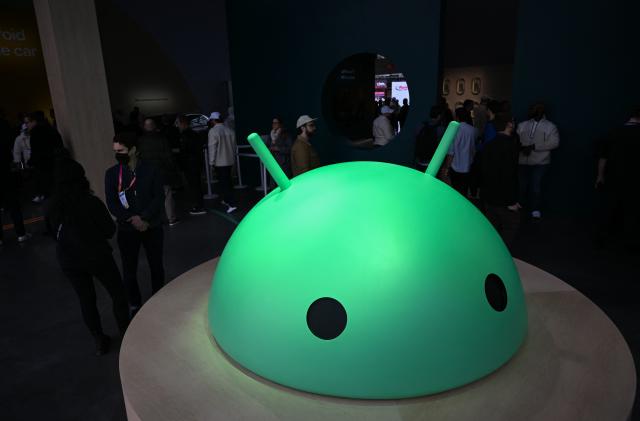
621	148
9	180
500	171
145	198
192	148
82	233
45	141
154	149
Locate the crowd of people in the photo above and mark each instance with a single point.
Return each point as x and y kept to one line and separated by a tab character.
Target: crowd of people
138	192
150	159
498	163
28	148
494	161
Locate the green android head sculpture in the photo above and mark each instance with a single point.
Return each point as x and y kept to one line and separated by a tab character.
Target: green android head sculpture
367	280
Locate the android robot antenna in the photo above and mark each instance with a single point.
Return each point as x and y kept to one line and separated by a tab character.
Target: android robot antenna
443	148
269	161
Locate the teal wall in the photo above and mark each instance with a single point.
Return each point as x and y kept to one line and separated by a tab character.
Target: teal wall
582	60
281	53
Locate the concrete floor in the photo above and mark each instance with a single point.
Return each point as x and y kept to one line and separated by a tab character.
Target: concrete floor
48	367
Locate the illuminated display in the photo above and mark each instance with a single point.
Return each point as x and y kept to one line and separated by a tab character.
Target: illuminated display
367	280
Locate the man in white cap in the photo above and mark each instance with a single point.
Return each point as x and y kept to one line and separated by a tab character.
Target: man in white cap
222	153
303	156
382	130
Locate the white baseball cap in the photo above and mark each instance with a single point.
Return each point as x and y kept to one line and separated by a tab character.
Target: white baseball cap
214	116
304	119
386	110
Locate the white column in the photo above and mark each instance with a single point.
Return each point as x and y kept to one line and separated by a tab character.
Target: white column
78	83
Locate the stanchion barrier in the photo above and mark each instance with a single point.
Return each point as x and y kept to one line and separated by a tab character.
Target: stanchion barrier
264	178
263	171
261	186
207	169
238	168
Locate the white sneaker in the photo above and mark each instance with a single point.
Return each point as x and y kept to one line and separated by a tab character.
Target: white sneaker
38	199
24	238
536	214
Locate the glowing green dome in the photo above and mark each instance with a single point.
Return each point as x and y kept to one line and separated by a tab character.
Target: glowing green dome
367	280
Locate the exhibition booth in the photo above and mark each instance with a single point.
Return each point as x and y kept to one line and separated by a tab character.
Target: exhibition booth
318	312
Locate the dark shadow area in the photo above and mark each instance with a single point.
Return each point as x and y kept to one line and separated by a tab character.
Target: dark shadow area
51	372
348	97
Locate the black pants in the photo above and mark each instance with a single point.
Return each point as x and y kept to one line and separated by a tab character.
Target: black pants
10	201
460	181
226	184
80	273
129	243
193	174
43	177
475	177
505	221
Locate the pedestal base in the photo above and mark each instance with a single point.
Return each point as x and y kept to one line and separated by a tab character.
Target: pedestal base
574	365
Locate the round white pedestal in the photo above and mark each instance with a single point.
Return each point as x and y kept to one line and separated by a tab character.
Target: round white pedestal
574	365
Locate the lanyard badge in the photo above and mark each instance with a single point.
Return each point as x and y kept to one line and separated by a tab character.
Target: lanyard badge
122	194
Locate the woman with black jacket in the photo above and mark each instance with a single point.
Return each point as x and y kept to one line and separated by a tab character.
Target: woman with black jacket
82	226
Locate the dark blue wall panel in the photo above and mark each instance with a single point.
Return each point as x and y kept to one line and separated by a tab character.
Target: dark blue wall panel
282	52
581	58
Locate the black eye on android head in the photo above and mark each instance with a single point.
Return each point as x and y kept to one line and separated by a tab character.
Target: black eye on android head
495	292
326	318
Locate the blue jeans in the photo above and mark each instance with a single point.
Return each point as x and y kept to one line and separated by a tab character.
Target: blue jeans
530	179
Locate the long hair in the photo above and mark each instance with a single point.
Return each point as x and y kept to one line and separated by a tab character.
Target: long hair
71	188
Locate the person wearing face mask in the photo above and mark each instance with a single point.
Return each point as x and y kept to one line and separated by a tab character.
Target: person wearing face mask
10	183
22	146
135	196
538	137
